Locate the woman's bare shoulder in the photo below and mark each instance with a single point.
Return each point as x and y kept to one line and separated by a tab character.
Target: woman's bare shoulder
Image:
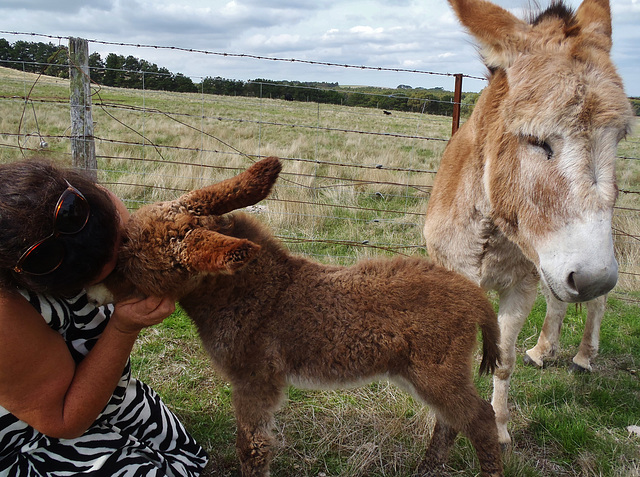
17	314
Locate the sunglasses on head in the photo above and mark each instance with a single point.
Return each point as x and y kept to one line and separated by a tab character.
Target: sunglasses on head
69	217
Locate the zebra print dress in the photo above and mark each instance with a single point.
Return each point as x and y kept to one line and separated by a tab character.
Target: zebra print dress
135	435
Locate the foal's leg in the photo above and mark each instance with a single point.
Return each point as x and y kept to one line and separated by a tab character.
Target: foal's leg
449	390
254	407
442	439
458	406
483	434
549	338
591	335
515	305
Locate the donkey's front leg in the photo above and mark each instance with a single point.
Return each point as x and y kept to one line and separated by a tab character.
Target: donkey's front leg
254	408
549	338
515	305
591	335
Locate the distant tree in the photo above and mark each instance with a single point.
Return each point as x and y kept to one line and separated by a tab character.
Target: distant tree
6	50
55	60
183	84
21	52
96	68
151	78
113	70
222	86
209	85
131	74
164	79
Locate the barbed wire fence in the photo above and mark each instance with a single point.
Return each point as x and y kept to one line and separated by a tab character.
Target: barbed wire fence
355	181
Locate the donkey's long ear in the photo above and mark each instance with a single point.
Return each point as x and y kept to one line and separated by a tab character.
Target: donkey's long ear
204	250
501	35
594	18
247	188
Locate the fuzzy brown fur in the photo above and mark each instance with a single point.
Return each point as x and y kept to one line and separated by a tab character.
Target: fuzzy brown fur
269	318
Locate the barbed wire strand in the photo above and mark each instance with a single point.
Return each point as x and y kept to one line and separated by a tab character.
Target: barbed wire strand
244	55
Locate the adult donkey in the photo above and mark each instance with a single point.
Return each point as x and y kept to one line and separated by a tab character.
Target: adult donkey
526	187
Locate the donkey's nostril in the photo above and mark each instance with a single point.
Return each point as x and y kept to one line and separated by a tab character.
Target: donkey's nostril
571	282
589	284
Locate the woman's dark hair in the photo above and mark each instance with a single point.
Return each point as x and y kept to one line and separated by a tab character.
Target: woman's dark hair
29	191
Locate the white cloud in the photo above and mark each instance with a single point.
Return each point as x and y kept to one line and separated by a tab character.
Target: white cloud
233	9
367	31
278	42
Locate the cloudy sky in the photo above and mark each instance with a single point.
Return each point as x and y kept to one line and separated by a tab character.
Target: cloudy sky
399	34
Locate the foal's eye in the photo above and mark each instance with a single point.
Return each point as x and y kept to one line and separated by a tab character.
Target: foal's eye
544	145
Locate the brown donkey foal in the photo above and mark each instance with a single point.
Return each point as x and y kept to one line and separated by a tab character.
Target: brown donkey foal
269	318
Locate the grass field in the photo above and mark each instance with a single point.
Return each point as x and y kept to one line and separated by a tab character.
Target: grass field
355	183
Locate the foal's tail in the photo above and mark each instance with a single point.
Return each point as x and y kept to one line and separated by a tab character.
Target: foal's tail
490	338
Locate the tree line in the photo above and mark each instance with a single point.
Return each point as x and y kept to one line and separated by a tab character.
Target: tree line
114	70
131	72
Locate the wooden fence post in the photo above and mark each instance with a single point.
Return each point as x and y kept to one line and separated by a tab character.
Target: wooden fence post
83	149
457	100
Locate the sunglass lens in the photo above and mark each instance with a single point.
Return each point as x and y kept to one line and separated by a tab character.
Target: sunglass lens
72	212
44	257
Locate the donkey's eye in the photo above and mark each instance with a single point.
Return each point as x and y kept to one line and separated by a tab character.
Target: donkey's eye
541	144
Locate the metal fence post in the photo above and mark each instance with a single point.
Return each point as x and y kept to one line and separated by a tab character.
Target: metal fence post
83	149
457	100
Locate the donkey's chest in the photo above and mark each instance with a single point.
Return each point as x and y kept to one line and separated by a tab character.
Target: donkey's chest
501	263
478	249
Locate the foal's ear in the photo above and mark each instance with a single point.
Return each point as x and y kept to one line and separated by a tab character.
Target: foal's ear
204	250
594	18
247	188
501	34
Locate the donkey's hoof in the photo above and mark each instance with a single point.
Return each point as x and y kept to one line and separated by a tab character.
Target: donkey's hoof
529	361
576	368
506	448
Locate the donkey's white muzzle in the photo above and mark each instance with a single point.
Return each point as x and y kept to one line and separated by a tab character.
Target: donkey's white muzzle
577	262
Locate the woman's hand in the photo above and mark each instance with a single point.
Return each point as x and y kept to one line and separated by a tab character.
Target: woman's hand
134	314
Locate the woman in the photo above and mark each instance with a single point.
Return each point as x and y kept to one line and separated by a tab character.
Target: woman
68	404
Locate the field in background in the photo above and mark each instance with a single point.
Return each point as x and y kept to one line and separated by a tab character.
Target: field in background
355	183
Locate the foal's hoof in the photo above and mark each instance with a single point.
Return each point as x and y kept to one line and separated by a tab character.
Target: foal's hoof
426	471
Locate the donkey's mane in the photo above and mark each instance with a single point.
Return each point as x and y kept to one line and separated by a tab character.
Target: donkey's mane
557	9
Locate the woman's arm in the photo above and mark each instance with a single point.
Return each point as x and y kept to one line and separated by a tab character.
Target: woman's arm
39	381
